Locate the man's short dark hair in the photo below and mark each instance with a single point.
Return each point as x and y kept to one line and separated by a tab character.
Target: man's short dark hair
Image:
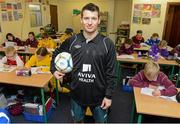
91	7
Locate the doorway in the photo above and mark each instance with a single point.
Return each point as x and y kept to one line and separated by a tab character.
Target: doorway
54	16
172	23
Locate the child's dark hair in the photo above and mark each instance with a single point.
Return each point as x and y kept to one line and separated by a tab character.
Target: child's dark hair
42	51
41	28
178	97
139	32
31	33
91	7
9	34
128	41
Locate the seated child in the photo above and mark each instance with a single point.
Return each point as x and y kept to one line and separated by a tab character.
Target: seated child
47	42
153	40
176	50
11	38
68	34
138	39
31	41
11	58
152	77
159	50
127	47
39	36
163	49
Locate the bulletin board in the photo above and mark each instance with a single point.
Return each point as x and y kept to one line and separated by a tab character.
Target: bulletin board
144	13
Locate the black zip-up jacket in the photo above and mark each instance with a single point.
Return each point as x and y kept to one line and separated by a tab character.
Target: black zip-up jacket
93	75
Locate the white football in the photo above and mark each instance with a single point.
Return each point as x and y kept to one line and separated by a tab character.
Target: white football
63	62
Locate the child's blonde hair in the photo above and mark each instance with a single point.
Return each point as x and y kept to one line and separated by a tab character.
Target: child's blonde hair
162	43
10	49
151	70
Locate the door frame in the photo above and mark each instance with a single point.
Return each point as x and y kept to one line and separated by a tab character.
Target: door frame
166	16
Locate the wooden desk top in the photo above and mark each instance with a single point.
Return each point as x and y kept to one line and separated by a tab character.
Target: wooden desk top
35	80
155	106
146	48
144	60
30	51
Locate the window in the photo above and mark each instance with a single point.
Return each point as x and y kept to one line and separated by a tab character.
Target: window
35	15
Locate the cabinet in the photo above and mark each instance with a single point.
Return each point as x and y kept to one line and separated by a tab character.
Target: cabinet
122	33
104	23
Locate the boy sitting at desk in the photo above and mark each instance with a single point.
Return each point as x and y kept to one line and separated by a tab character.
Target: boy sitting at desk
152	77
126	48
47	42
153	40
11	58
138	39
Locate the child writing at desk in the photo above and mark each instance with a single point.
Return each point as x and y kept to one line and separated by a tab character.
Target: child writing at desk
152	77
153	40
127	47
138	39
47	42
11	58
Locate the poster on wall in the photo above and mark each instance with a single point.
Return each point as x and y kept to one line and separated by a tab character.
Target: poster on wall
4	16
9	6
147	7
137	13
138	7
3	6
137	20
20	15
146	21
15	14
156	10
10	16
19	5
15	6
146	14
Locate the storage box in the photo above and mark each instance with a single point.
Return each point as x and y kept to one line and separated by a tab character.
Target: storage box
38	118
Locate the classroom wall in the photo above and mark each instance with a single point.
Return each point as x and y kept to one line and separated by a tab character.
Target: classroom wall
22	27
157	24
68	20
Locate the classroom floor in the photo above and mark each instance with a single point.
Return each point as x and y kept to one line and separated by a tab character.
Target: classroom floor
120	110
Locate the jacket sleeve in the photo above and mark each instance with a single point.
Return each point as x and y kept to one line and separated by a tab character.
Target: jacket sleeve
63	48
110	71
170	88
148	42
3	61
138	81
19	61
31	62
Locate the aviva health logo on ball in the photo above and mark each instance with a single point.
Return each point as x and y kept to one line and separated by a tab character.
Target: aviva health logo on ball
86	75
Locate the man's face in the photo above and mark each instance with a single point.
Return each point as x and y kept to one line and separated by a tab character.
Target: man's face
90	21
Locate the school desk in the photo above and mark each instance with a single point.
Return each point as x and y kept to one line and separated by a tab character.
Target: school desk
146	48
151	105
35	80
142	60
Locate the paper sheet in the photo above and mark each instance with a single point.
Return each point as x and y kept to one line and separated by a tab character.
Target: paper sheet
148	91
9	69
126	57
40	70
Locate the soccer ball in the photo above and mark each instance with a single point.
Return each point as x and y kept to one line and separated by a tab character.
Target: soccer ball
63	62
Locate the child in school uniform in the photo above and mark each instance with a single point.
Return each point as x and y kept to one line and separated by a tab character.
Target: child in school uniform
11	58
11	38
67	34
138	39
153	40
159	50
176	50
31	41
127	47
152	77
47	42
39	36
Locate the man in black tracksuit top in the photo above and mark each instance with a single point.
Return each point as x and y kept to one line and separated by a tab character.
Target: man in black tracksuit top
93	76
